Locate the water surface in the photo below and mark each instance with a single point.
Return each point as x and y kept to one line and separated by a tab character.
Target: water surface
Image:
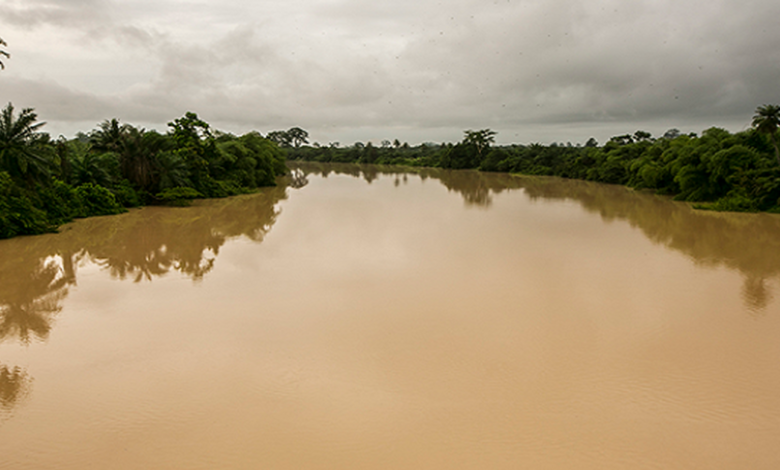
369	317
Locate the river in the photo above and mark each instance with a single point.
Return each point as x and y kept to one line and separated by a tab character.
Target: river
385	318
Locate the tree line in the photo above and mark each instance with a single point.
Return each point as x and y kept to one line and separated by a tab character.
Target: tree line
46	182
717	170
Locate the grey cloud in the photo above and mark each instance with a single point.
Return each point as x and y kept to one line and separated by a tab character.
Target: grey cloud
519	66
57	104
65	13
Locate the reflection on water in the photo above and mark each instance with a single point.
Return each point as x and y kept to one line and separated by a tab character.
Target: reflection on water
144	244
14	386
747	243
140	245
30	297
419	319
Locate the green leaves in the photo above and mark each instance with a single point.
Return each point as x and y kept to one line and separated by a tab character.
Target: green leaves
767	121
23	151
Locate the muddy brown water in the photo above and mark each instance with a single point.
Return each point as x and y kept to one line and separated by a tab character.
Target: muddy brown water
378	318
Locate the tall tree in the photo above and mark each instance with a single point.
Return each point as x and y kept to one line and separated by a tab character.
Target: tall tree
3	53
481	139
298	136
280	138
766	121
108	136
137	154
23	152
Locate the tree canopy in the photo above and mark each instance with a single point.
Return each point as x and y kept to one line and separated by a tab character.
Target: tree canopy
766	121
44	183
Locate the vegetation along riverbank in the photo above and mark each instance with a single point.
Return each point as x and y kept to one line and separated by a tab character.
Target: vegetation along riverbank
717	170
46	182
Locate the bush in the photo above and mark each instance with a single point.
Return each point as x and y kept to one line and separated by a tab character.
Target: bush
59	201
734	201
179	196
96	200
125	195
18	215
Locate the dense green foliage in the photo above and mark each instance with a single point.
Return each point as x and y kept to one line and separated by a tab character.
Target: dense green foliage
45	183
718	170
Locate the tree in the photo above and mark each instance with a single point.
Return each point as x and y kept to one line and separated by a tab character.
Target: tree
672	134
194	144
3	53
85	165
108	136
189	130
23	152
766	121
298	136
137	154
622	139
280	138
641	136
481	139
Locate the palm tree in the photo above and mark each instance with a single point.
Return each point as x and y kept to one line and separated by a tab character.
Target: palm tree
23	151
108	136
766	121
3	53
87	166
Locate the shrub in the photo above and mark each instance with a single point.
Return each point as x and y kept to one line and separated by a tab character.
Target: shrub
96	200
734	201
18	215
125	195
178	196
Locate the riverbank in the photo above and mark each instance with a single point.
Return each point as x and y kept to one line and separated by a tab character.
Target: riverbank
716	171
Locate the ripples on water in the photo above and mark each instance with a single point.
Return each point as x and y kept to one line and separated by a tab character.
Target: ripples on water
372	317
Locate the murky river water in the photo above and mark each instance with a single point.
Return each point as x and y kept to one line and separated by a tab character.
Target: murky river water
376	319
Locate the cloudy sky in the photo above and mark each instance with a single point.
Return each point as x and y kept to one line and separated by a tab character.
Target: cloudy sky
416	70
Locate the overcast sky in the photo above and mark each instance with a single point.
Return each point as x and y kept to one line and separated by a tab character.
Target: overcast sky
416	70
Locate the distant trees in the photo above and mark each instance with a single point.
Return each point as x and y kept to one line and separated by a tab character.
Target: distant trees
293	137
766	121
718	170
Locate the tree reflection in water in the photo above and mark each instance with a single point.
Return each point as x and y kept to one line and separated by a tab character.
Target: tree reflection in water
152	242
30	298
15	384
139	245
747	243
36	272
